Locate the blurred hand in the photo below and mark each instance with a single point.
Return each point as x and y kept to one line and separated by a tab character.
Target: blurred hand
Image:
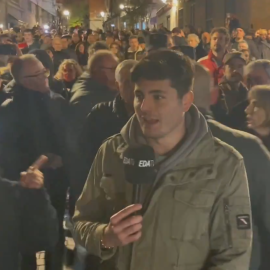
123	228
33	178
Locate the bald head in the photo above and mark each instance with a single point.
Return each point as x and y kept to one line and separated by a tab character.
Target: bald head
202	87
102	66
25	65
29	72
100	58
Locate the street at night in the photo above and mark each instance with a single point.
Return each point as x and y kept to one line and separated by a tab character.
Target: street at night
134	135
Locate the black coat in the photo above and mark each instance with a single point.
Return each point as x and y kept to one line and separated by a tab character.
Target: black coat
58	58
31	124
28	223
106	119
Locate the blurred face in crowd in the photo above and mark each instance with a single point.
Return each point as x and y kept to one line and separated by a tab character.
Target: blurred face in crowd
158	108
69	73
263	35
126	87
234	70
134	44
109	40
92	39
35	76
65	43
218	42
57	44
81	49
240	33
114	49
242	46
47	41
75	38
234	33
256	115
246	55
4	40
28	37
257	76
105	71
193	42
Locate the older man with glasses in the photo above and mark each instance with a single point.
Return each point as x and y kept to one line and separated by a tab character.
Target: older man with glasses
33	124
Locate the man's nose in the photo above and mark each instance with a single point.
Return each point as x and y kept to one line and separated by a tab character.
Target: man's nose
146	105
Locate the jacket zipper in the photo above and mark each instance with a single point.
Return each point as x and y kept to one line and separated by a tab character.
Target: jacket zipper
227	221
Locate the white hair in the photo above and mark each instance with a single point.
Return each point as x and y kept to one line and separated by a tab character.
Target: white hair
124	66
258	64
194	36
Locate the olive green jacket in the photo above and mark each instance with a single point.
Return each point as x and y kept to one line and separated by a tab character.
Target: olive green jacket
197	218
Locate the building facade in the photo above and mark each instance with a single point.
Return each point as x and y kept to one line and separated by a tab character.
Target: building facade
26	12
204	14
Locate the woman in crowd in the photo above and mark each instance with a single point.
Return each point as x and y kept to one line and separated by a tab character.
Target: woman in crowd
69	71
82	54
115	49
258	113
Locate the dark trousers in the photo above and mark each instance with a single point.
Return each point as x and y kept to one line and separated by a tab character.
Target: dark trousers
57	189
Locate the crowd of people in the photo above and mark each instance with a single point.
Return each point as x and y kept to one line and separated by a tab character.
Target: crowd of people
72	104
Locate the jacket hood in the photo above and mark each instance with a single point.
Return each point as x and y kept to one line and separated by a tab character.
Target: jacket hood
196	126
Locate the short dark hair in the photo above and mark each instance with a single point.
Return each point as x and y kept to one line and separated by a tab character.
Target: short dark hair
28	31
133	37
166	65
114	44
176	30
221	30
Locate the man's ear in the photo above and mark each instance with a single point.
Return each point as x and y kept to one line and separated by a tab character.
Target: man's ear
187	100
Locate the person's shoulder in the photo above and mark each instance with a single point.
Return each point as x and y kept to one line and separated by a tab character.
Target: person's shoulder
103	107
113	145
203	60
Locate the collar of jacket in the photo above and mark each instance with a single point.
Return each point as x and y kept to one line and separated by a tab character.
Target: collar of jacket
232	85
139	50
198	148
213	58
119	107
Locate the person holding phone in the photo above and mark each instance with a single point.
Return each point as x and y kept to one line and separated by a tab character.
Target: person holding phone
28	221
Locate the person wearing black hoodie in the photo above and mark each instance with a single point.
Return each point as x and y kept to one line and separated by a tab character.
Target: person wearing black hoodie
28	220
257	163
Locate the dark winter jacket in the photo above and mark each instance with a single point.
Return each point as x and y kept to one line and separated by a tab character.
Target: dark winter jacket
85	94
264	50
257	163
138	55
230	96
34	46
106	119
58	58
31	124
28	223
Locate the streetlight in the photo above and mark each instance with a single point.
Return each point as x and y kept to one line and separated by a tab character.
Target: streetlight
102	14
1	26
46	26
122	6
66	13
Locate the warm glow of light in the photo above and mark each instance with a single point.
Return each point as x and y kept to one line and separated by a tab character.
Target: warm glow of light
175	2
122	6
46	26
66	12
1	26
164	1
102	14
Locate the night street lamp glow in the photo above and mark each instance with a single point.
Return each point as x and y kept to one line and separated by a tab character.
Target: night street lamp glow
46	26
164	1
66	12
102	13
1	25
122	6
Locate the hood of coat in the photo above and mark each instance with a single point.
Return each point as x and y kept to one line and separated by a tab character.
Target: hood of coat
197	130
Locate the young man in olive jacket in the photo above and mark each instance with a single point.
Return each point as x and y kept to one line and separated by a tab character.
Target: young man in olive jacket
198	215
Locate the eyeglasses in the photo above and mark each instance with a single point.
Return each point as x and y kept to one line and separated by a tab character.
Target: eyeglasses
44	72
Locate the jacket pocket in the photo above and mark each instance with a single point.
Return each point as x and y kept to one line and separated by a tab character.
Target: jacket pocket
191	211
